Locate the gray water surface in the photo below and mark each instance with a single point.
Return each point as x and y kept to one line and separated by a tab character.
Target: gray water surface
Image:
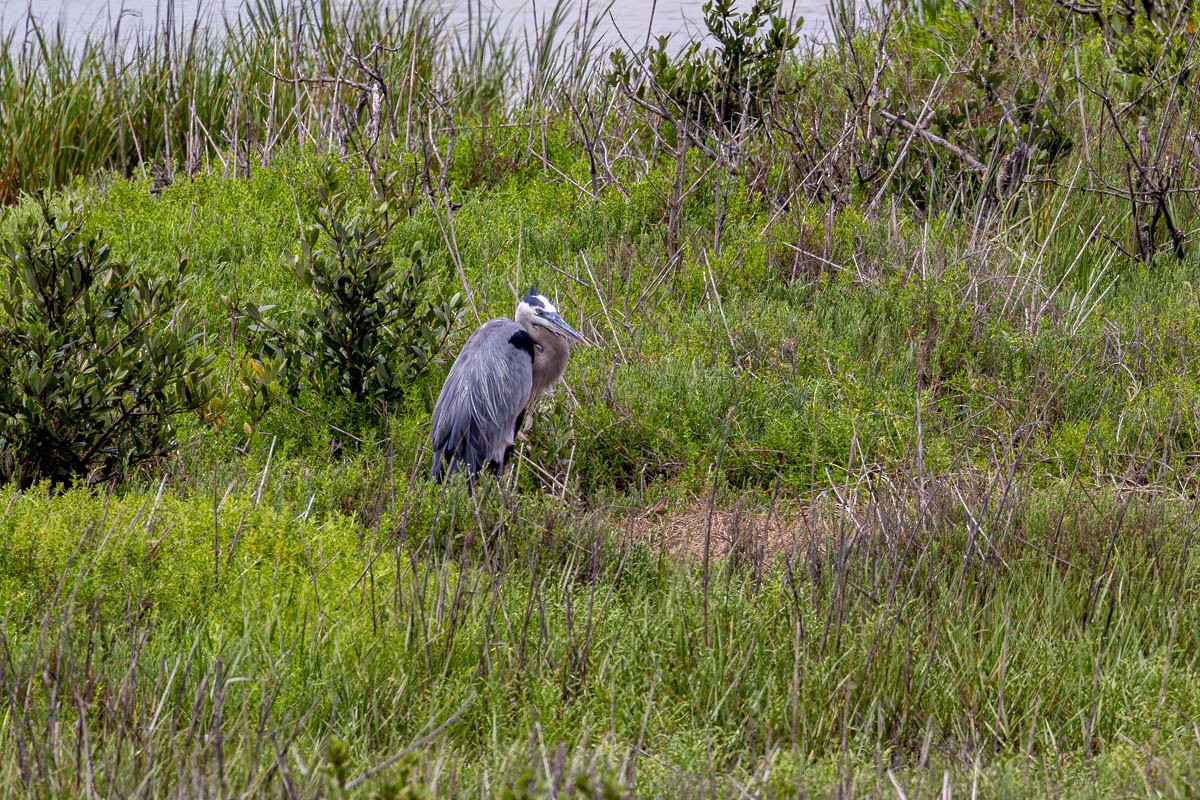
621	21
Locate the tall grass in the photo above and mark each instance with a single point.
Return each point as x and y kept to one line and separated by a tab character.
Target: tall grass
189	96
210	647
879	481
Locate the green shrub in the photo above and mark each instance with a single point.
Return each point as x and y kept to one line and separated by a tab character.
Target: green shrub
729	81
374	325
94	360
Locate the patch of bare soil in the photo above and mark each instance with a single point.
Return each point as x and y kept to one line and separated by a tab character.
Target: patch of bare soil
740	532
879	510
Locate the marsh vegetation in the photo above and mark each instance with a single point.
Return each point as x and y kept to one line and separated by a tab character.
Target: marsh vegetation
880	479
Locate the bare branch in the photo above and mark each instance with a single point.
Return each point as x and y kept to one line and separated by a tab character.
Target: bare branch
968	159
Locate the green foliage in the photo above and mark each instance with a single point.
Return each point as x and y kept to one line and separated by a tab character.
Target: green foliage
1146	48
971	446
999	104
95	360
405	783
349	647
260	385
583	786
375	323
172	98
726	83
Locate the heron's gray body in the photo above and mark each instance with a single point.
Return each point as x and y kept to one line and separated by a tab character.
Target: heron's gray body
503	368
484	396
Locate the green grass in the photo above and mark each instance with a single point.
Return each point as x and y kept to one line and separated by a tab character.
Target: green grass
178	98
972	425
194	649
384	607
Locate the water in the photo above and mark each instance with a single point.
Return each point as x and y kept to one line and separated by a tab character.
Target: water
630	20
625	21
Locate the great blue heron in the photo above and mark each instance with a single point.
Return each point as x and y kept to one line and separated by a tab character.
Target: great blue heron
503	368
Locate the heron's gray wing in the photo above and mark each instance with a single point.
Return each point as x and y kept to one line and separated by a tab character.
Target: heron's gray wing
474	420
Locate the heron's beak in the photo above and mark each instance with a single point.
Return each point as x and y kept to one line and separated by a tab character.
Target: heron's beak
560	326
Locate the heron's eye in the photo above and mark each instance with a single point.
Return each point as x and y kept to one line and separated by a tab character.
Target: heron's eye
538	311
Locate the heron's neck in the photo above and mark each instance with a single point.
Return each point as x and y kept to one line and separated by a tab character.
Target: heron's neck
549	360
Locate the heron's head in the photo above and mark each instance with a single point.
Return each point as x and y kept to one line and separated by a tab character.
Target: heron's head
536	310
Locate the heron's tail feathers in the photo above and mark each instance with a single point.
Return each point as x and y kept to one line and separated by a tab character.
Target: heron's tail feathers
469	450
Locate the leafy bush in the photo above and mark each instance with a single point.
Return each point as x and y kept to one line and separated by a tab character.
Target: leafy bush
256	388
1146	49
94	360
727	82
373	327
